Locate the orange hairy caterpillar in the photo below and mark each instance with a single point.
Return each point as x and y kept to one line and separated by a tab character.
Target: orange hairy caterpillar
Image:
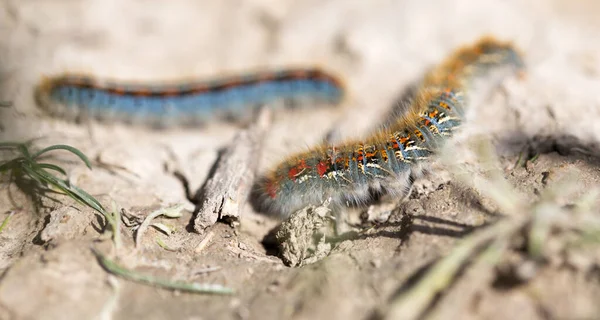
389	160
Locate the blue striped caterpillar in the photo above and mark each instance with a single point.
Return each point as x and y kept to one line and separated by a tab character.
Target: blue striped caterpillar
184	104
389	160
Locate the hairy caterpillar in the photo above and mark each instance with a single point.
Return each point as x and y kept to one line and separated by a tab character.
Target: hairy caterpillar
185	104
389	160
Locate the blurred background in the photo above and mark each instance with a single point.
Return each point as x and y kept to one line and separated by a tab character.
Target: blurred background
377	47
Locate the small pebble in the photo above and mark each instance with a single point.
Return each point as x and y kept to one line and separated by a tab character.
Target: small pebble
376	263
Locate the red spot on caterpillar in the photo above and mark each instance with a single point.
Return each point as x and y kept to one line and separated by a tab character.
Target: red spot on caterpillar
342	160
271	189
321	168
231	84
200	89
300	74
117	90
170	92
294	171
360	155
144	92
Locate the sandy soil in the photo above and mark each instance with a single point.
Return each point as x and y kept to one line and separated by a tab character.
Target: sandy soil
379	48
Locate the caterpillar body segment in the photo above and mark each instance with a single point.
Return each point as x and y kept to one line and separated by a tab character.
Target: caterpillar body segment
389	160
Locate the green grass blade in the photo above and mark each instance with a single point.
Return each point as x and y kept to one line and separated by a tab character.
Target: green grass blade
73	150
23	148
163	245
71	190
52	167
37	171
32	174
118	270
12	164
414	302
170	212
88	199
535	157
43	177
5	221
518	163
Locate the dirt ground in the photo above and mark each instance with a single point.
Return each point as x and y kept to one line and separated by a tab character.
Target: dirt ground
379	48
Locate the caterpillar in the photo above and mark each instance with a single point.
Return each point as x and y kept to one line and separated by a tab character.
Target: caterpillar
389	160
185	104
